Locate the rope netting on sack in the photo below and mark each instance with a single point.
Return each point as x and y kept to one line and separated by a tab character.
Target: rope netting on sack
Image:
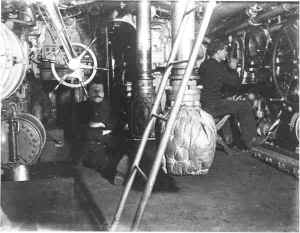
192	143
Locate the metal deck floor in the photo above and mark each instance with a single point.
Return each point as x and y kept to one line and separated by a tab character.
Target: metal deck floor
50	200
239	194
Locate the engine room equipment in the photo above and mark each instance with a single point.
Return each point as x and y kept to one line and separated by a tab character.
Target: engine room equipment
29	136
143	97
279	158
236	50
20	173
170	122
82	67
257	42
13	63
85	59
285	60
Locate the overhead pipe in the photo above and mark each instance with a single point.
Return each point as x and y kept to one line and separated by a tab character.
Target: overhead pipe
274	12
162	5
224	10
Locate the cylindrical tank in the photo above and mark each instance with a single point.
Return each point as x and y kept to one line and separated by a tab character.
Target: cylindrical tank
12	62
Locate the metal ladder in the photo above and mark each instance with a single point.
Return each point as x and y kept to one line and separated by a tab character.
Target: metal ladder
154	115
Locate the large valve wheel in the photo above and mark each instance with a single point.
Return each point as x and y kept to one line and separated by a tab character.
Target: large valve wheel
81	69
12	62
285	61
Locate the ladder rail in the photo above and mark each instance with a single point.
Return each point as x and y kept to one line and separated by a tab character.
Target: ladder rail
151	122
163	143
171	60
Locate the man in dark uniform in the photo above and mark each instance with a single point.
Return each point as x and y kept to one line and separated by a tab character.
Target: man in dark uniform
99	133
215	74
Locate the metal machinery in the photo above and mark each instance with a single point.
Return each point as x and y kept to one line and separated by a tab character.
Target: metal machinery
13	62
266	45
262	36
23	135
269	73
79	59
265	42
171	118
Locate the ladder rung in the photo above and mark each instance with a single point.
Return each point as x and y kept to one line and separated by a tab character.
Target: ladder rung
140	139
160	117
141	172
178	62
190	11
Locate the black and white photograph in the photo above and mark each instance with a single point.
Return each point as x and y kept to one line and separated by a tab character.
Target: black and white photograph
149	115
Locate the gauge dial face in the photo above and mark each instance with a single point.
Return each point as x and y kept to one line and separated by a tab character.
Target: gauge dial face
30	139
29	142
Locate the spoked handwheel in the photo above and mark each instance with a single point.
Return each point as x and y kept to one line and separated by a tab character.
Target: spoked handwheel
80	69
285	61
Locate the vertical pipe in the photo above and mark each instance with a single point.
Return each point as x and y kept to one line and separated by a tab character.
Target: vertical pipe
143	61
163	143
147	130
185	48
107	62
143	87
1	215
13	145
1	124
178	10
13	150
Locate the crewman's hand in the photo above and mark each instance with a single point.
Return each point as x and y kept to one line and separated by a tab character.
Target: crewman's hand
105	132
233	62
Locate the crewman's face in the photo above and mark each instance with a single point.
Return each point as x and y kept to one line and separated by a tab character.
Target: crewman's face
96	92
223	53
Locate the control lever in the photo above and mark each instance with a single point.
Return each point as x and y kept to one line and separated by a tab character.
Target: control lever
272	128
282	99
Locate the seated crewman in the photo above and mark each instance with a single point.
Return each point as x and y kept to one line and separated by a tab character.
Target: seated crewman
101	146
214	75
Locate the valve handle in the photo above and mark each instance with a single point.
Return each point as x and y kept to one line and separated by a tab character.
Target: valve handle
77	68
